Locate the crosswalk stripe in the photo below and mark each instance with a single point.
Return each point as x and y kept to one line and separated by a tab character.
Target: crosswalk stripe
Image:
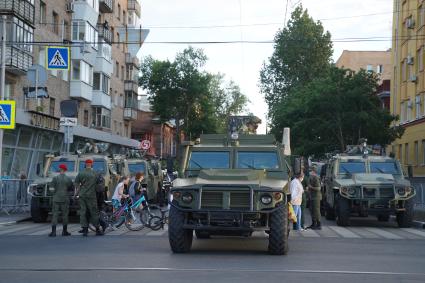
309	234
17	228
327	233
363	233
344	232
414	231
158	233
383	233
47	229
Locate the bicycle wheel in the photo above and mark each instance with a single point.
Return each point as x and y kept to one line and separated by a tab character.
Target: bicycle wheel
133	221
155	223
116	221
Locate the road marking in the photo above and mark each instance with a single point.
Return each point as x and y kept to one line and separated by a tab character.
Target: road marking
17	228
414	231
344	232
364	233
327	233
309	234
384	234
122	230
158	233
45	231
238	270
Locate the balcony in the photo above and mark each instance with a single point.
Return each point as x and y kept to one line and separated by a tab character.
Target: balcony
106	6
20	8
17	60
81	90
131	86
101	99
134	5
130	60
130	114
104	33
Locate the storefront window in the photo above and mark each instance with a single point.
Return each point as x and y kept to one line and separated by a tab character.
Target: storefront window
20	163
6	161
10	137
25	137
57	142
45	141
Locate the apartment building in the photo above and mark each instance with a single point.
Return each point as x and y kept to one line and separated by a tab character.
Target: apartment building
102	64
371	61
408	83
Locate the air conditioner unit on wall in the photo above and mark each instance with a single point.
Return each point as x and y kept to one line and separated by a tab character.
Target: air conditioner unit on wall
69	7
410	23
413	78
409	104
409	60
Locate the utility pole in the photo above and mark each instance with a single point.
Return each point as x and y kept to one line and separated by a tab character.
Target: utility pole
2	80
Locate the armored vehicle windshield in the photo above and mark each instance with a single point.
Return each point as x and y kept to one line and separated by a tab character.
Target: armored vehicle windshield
386	167
99	166
54	166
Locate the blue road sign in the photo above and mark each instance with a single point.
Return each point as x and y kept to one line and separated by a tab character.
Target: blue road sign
7	114
57	58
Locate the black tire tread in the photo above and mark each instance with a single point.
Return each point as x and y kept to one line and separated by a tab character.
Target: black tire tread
405	218
343	212
278	237
180	239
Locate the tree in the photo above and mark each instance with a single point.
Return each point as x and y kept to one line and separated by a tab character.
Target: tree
331	112
302	52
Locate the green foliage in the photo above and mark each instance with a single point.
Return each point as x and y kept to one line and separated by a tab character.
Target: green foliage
182	90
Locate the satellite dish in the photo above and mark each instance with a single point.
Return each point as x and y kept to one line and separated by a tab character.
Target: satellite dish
69	108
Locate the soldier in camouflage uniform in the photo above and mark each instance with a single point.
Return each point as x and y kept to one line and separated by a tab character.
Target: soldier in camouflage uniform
60	185
85	184
315	198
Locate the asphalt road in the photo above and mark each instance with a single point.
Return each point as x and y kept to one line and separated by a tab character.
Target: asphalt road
146	257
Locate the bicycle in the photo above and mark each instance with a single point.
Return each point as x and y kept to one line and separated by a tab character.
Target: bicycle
153	221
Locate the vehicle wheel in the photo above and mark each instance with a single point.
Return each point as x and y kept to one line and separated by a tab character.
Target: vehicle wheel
383	217
405	218
278	237
343	212
38	214
329	212
202	234
180	239
133	221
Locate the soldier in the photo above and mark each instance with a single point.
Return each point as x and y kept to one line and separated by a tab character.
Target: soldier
60	185
315	198
85	184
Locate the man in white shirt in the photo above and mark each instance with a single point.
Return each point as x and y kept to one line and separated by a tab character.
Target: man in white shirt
297	191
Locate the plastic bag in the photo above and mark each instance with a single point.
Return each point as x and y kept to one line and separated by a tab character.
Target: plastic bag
291	213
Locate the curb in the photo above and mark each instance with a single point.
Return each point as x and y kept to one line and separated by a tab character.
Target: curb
15	221
418	224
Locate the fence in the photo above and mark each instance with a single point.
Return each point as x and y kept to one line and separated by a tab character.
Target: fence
13	195
419	185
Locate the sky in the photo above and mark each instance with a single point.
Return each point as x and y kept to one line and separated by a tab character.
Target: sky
256	20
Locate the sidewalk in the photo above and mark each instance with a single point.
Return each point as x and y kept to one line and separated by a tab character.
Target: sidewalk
13	218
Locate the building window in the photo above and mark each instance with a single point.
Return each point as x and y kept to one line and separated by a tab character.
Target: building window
94	4
42	12
83	31
416	153
106	52
86	118
124	17
379	69
418	106
402	113
101	82
52	103
55	17
369	68
406	154
423	152
82	71
409	108
122	73
119	11
117	69
101	117
117	41
420	57
404	70
421	16
22	35
400	152
65	30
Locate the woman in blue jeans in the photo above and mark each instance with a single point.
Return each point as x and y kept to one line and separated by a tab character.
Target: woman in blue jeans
297	191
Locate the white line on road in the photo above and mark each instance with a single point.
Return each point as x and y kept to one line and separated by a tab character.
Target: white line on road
384	234
309	234
414	231
17	228
344	232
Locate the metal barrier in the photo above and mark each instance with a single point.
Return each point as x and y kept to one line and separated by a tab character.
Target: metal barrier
13	195
419	185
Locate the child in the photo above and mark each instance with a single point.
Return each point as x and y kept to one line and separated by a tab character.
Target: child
119	192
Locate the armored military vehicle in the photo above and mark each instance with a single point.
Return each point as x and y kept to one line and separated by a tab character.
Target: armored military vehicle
151	168
41	201
231	186
361	183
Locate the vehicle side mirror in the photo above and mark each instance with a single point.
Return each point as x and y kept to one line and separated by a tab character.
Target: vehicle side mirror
297	166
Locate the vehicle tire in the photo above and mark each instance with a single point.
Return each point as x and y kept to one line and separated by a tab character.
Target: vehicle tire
133	221
202	234
343	212
329	212
383	217
278	237
405	218
38	214
180	239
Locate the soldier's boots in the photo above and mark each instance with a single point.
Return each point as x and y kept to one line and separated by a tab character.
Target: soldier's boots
65	231
85	231
312	226
98	232
318	226
53	233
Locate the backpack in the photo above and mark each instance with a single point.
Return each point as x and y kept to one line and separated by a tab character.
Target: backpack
100	183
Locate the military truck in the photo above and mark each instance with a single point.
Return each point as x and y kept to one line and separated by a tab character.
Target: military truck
231	186
360	183
41	201
152	172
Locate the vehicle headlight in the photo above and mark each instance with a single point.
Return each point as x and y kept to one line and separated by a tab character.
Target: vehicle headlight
351	191
401	191
187	197
266	199
409	190
344	190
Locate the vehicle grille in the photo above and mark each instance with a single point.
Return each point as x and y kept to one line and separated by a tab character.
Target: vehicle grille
386	192
369	192
211	200
239	200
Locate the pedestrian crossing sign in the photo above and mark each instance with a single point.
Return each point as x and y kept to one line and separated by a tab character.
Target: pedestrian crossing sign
57	58
7	114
